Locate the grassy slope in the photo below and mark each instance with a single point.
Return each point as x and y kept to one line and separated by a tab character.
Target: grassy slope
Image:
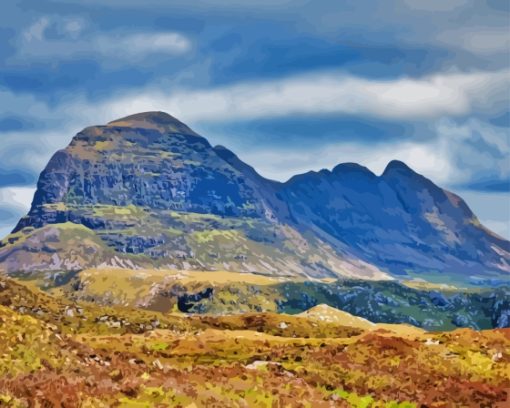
171	239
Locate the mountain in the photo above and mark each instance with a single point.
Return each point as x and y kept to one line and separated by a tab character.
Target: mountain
400	221
146	191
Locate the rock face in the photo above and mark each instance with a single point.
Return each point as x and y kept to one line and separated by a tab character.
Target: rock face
401	220
149	191
147	160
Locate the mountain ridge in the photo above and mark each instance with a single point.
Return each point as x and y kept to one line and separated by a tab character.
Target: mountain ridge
156	193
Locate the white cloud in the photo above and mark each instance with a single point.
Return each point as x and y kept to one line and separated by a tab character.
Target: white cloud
68	38
476	150
62	27
430	97
459	144
20	197
457	153
14	202
143	44
462	149
32	149
19	104
35	32
282	164
74	27
404	98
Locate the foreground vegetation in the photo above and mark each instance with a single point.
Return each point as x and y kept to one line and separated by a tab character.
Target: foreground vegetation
58	353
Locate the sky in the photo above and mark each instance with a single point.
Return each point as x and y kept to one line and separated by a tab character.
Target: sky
289	85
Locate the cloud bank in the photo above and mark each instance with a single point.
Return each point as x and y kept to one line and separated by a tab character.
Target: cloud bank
429	97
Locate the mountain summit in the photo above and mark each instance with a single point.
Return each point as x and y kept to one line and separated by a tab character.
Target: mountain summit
152	120
147	191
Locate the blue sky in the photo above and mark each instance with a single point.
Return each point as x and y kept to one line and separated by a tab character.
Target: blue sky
290	85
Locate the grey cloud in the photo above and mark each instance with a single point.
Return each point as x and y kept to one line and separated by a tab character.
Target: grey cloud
479	151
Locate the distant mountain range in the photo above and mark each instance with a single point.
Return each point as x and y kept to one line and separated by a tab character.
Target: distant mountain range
147	191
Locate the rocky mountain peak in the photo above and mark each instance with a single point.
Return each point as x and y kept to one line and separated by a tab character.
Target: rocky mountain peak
161	121
397	167
352	170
